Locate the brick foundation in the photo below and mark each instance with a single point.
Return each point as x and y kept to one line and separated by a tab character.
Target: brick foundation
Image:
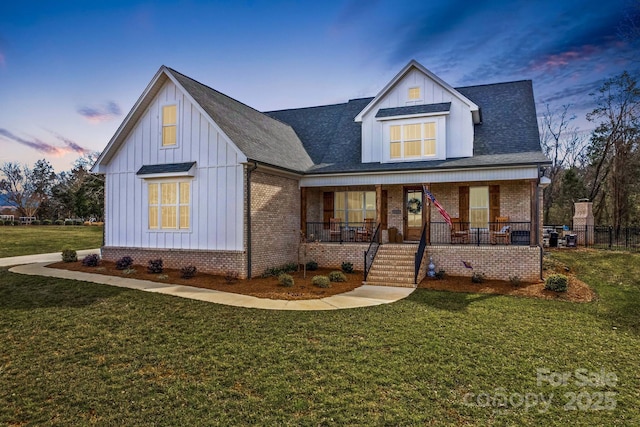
332	255
214	262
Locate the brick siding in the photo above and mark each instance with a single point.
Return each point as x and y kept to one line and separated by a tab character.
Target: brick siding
332	255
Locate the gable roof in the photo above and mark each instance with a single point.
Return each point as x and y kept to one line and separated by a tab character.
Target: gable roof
508	134
258	136
407	68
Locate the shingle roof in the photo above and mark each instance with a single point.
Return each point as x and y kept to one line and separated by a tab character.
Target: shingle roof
257	135
165	168
414	109
508	134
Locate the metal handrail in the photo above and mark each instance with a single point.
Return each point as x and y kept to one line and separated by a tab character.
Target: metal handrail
420	253
372	250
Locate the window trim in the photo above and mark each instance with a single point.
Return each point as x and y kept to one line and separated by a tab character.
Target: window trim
162	126
177	205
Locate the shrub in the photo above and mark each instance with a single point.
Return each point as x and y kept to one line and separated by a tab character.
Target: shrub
440	274
68	222
124	263
188	272
515	281
91	260
477	278
557	283
16	223
337	276
231	276
46	222
312	266
347	267
35	222
58	222
285	280
155	266
276	271
162	276
321	281
69	255
129	271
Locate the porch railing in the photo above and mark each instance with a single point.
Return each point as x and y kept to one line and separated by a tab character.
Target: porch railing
339	232
372	250
493	233
420	253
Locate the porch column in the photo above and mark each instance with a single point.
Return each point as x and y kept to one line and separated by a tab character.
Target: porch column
303	210
534	234
379	207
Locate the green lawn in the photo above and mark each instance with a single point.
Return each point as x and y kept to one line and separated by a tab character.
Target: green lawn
77	353
42	239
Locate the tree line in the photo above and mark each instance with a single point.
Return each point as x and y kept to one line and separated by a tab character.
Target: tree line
602	166
42	193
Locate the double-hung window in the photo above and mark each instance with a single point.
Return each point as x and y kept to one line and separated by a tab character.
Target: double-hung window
479	207
354	206
412	141
169	125
169	205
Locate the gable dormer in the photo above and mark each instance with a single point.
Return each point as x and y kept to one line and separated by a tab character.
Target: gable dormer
417	117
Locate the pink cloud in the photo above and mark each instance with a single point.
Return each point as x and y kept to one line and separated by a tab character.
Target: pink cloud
102	113
45	147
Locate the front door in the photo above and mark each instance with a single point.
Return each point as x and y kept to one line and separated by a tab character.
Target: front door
413	213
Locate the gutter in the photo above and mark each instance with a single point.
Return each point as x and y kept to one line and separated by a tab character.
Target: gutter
248	221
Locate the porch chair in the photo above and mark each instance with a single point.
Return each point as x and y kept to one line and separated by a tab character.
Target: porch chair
459	231
334	228
364	233
501	231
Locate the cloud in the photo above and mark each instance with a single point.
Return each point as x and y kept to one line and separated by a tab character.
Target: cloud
102	113
45	147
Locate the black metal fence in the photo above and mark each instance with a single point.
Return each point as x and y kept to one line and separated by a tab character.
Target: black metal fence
340	232
495	233
599	237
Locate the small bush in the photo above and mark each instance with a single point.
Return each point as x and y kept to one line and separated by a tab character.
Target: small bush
347	267
321	281
58	222
46	222
129	271
337	276
155	266
477	278
515	281
16	223
68	222
557	283
312	266
163	276
276	271
69	255
188	272
285	280
124	263
35	222
440	274
231	277
91	260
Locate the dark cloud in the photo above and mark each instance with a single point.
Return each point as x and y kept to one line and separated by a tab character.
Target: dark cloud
45	147
103	113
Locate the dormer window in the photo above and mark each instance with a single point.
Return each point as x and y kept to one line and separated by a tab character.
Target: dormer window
414	93
412	141
169	125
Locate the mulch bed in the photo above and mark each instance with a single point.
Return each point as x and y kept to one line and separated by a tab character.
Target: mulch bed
260	287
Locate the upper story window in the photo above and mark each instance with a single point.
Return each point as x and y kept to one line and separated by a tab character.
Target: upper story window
169	204
412	141
169	125
414	93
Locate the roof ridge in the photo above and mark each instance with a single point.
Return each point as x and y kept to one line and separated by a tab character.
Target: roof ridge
494	84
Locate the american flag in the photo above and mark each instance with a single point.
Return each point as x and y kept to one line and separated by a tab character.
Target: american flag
442	211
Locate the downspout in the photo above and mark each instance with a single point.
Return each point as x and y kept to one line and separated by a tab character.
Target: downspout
248	221
537	221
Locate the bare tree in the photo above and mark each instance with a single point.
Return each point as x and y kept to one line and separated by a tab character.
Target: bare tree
26	189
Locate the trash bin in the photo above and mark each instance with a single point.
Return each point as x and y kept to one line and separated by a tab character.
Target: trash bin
572	240
553	239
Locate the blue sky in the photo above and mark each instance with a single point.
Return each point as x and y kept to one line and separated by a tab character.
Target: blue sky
71	70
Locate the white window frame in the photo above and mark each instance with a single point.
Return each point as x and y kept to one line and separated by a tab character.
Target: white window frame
440	138
177	124
177	205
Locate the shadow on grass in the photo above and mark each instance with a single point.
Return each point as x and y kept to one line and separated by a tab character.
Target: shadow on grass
22	292
450	301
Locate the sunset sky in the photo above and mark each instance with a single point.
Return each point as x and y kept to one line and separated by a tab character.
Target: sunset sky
71	70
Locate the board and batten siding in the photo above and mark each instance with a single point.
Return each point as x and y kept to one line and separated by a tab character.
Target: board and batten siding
459	123
216	189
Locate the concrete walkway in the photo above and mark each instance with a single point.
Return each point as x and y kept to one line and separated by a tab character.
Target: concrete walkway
364	296
54	257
